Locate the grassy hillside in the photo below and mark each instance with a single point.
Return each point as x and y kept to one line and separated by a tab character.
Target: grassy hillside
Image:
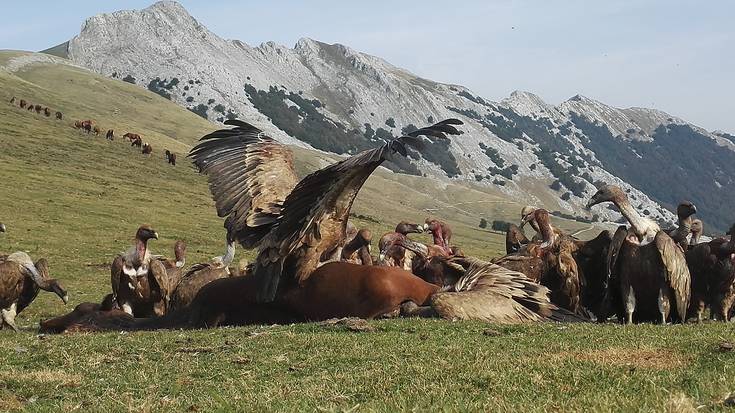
77	200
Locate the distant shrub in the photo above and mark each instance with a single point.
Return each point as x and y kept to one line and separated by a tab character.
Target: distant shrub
390	122
483	223
190	99
219	108
129	79
200	110
430	119
500	225
210	101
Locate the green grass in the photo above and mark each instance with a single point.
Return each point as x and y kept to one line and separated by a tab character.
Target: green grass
78	200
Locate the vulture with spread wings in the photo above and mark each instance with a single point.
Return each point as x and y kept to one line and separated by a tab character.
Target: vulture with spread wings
254	185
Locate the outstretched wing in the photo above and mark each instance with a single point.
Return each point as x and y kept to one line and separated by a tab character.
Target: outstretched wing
249	174
677	272
314	215
492	293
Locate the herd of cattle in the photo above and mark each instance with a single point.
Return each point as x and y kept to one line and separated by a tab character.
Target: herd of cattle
89	127
313	264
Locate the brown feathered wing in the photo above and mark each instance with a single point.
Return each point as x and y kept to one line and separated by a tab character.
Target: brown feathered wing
315	213
677	272
250	174
492	293
311	219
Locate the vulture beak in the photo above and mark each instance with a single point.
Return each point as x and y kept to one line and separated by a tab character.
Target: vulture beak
154	235
694	209
425	227
2	227
60	291
525	219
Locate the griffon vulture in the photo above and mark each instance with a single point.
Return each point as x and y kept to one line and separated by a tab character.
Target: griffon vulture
254	185
684	213
648	274
393	255
478	290
20	281
713	277
141	284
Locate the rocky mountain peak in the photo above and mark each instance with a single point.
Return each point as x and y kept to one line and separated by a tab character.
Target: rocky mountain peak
336	99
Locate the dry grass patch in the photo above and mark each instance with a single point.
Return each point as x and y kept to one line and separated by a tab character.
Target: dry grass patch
56	377
680	403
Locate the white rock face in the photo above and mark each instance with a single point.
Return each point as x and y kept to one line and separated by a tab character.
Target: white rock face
164	41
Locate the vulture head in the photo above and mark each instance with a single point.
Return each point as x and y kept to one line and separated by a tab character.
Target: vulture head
608	193
2	227
405	227
528	209
432	225
364	237
180	253
145	232
685	210
697	227
49	284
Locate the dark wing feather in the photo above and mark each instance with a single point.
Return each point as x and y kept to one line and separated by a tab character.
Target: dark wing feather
514	239
492	293
314	215
612	253
677	272
250	175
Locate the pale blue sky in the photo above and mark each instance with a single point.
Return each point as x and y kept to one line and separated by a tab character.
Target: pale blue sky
678	56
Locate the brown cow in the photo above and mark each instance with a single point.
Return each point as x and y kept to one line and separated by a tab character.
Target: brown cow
31	107
137	142
110	135
38	109
87	126
147	149
23	104
171	157
59	115
47	112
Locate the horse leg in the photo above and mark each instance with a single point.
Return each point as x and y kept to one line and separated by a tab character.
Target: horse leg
410	309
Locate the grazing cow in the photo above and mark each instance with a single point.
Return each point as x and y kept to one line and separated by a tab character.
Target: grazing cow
47	112
137	142
78	124
38	109
96	130
31	107
12	100
132	137
59	115
147	149
171	157
87	126
23	104
110	135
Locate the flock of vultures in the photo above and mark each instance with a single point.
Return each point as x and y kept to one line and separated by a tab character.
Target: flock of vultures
312	264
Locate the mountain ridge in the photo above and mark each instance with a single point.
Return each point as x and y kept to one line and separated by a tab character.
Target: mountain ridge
336	99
